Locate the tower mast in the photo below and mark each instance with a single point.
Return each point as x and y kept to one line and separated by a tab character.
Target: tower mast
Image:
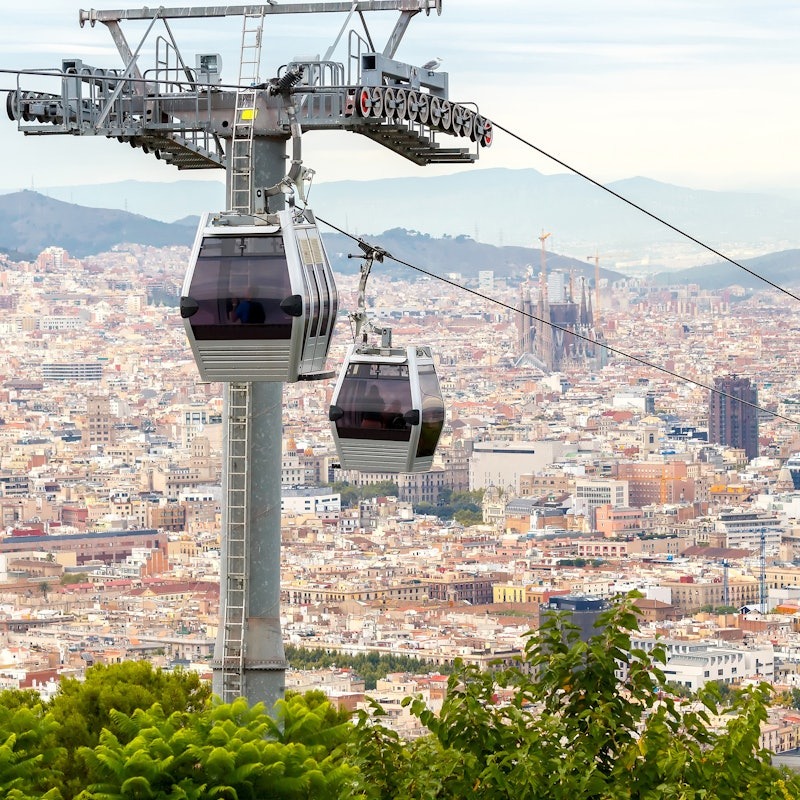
183	117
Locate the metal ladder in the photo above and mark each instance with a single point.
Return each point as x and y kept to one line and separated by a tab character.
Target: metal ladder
235	619
240	198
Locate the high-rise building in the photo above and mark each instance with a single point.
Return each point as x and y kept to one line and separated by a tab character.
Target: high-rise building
732	414
99	428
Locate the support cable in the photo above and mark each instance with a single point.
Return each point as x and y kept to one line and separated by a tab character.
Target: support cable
554	326
522	140
643	210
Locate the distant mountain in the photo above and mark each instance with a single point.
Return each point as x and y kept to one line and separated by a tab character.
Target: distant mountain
29	222
503	206
782	268
460	255
168	201
513	206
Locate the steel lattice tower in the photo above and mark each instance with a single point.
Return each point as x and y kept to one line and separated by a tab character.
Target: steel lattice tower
182	114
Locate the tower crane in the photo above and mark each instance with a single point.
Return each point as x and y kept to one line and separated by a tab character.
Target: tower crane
596	258
545	335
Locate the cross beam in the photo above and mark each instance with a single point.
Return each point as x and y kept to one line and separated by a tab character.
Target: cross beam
93	15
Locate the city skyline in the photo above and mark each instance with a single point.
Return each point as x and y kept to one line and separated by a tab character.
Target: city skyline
692	95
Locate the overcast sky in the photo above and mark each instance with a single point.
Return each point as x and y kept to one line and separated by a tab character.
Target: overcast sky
701	93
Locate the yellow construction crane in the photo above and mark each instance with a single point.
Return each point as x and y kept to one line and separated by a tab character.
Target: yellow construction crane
596	258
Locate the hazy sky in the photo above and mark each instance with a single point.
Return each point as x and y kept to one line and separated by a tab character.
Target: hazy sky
701	93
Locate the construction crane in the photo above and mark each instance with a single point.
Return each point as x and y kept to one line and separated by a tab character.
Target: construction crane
596	259
180	112
762	571
545	334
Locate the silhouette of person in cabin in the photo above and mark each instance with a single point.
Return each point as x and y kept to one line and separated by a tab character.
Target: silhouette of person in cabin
248	311
373	409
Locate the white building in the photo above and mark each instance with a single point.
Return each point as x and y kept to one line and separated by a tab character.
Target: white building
744	530
311	501
693	664
501	463
591	493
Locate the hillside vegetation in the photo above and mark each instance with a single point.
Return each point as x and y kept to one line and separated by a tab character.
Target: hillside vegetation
560	725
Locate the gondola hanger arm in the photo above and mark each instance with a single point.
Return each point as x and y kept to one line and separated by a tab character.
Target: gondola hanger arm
369	254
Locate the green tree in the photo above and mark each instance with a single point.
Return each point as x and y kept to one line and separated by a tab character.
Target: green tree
464	507
27	756
83	709
466	517
68	578
351	495
226	752
369	666
571	730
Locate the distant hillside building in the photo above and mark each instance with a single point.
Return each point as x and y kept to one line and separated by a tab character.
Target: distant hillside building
591	493
99	428
732	416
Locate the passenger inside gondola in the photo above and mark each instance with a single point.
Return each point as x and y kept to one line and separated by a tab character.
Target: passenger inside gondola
248	310
372	416
374	398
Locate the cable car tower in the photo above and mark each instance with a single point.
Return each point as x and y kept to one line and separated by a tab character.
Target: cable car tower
181	113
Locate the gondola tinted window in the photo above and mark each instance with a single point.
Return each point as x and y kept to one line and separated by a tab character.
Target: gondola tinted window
238	284
374	398
432	411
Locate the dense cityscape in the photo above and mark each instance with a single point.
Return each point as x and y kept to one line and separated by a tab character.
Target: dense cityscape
585	479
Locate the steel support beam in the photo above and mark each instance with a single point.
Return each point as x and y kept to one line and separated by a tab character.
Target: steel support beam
263	676
94	15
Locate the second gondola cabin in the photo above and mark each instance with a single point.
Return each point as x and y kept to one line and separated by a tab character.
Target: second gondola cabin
387	411
259	301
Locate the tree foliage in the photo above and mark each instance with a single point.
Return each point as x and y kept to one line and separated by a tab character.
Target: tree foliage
352	495
559	725
369	666
27	755
464	507
224	752
571	729
84	709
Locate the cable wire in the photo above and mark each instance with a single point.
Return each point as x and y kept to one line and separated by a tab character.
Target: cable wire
574	170
61	74
554	326
644	210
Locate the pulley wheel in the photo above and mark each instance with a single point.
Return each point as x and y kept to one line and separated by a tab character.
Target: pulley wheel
435	116
424	108
364	103
468	123
488	134
400	103
447	116
11	100
456	120
389	103
412	106
376	110
477	128
457	123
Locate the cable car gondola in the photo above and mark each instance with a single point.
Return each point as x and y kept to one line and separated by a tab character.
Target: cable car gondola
259	301
387	411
